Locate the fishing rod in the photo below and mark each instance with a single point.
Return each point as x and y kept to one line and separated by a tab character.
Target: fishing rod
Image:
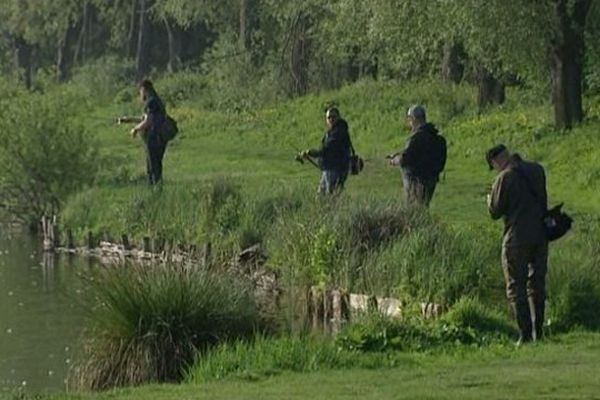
301	158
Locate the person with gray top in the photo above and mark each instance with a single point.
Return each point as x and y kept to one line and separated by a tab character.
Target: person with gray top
517	196
423	158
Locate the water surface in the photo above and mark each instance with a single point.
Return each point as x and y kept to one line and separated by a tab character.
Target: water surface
41	313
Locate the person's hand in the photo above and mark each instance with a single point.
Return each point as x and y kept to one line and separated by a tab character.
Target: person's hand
133	132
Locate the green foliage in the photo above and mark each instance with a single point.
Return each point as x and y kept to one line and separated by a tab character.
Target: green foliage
149	322
466	324
46	155
469	313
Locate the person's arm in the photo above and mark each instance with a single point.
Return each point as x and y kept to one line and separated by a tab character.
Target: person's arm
498	200
129	120
141	126
408	157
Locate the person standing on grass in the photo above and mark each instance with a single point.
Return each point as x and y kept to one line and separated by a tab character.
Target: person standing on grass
517	196
334	153
422	160
149	124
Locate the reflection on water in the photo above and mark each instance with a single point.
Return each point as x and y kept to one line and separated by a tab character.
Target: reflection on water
40	313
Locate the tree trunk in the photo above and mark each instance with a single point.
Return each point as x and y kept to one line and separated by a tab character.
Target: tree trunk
131	32
140	62
452	63
567	51
79	54
23	59
299	59
490	89
243	22
174	62
61	54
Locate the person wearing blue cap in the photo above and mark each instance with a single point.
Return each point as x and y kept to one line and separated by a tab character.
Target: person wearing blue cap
422	160
519	197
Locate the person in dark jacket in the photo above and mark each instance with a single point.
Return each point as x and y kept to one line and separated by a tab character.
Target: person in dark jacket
149	125
519	197
334	153
422	160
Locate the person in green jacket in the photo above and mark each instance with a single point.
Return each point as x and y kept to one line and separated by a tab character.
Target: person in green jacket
519	197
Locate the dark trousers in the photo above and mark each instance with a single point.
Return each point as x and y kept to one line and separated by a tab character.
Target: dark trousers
332	181
525	269
418	191
154	156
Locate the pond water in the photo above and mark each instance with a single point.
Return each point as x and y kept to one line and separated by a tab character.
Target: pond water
41	314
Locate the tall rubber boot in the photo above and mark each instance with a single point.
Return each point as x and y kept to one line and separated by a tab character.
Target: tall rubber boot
538	312
523	316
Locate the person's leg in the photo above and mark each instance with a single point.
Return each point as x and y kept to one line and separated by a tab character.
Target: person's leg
536	287
160	152
149	171
155	163
428	191
515	268
323	184
338	179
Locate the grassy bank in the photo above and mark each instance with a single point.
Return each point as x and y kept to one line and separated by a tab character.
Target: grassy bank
230	179
564	368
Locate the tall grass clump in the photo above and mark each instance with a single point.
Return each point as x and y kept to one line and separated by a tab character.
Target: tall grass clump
434	263
149	322
263	356
573	279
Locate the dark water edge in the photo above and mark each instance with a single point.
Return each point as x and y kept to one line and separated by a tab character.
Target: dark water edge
41	313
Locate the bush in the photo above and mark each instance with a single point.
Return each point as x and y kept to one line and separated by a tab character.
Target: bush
573	279
45	155
150	322
470	314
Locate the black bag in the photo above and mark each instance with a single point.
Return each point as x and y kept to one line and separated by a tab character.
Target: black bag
356	162
168	130
442	150
556	221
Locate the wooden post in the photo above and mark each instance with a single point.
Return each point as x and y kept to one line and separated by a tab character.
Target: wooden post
48	231
206	254
70	241
55	233
339	310
146	246
315	307
158	246
125	241
90	241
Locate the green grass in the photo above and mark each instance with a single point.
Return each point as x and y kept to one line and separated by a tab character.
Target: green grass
230	179
565	368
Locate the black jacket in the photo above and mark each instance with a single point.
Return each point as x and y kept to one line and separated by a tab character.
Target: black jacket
424	156
334	153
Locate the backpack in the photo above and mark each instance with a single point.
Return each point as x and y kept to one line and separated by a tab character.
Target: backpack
168	130
441	152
